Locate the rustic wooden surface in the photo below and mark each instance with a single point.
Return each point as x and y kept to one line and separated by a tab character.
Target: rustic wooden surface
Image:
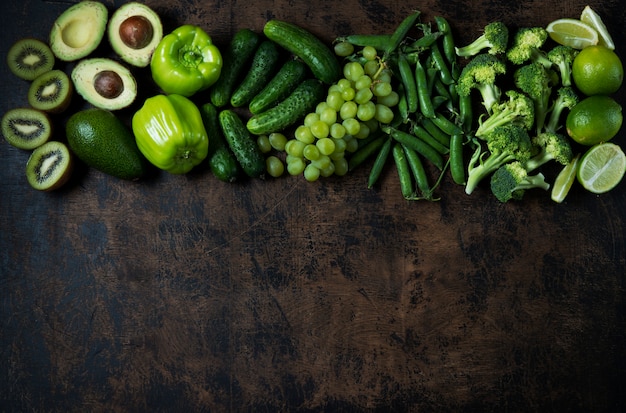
182	293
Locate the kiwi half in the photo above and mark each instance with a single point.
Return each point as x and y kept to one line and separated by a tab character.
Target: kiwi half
51	92
29	58
26	128
49	166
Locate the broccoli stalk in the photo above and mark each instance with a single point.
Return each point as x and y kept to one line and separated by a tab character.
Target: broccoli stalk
505	144
526	47
550	146
480	74
519	109
495	38
536	81
562	57
566	98
512	180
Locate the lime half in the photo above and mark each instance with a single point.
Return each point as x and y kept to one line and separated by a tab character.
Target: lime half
573	33
602	167
593	19
564	180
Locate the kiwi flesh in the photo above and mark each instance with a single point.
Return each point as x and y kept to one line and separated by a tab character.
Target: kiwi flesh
26	128
49	166
51	92
29	58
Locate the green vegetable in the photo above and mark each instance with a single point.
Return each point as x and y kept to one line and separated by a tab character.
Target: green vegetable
239	52
170	133
379	162
563	57
222	161
401	32
495	38
418	172
242	144
480	73
365	152
457	159
424	96
566	99
409	83
262	69
526	46
536	81
518	108
416	144
404	172
186	61
304	44
300	102
512	180
447	43
550	146
291	74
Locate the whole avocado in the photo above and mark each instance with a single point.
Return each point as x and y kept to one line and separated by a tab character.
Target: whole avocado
101	140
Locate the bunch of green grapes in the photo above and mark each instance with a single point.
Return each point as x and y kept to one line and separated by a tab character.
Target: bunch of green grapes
355	106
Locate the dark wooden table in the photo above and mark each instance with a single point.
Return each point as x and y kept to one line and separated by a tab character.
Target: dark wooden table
183	293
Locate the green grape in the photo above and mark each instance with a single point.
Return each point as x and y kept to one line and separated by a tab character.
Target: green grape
384	114
321	107
303	134
366	111
320	129
352	145
352	126
311	173
371	67
353	70
363	96
334	88
348	94
340	145
381	89
337	155
277	140
274	166
295	165
335	100
263	143
311	152
343	49
337	131
328	116
372	125
311	118
348	110
385	76
294	147
363	132
363	82
341	166
369	53
389	100
322	162
325	145
328	171
344	84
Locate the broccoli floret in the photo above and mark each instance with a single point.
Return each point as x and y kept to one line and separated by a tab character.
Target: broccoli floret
550	146
536	81
526	46
519	109
505	144
512	180
495	38
562	57
480	74
566	98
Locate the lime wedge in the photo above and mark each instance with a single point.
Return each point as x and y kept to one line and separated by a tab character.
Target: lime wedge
572	32
602	167
564	180
593	19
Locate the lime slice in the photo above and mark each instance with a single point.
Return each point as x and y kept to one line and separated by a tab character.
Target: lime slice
573	33
593	19
602	167
564	180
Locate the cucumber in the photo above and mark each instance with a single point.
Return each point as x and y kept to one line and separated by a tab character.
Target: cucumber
290	75
262	69
318	56
300	102
221	160
239	52
242	144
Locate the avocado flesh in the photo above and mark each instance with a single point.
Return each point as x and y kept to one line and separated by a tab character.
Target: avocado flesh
79	30
85	75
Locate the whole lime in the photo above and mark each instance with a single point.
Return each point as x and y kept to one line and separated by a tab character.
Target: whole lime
597	70
594	119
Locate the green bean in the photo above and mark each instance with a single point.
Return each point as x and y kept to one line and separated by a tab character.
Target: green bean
422	43
377	41
419	172
423	134
441	64
423	94
457	163
418	145
379	163
409	83
436	132
447	40
466	114
401	31
441	89
365	152
404	173
446	124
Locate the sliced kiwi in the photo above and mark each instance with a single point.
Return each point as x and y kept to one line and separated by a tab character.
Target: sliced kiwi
29	58
26	128
49	166
51	92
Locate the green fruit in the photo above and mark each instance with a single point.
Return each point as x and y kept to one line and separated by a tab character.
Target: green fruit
49	166
26	128
134	31
103	142
78	31
594	119
51	92
30	58
104	83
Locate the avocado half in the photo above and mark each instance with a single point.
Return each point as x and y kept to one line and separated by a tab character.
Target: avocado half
134	31
79	30
104	83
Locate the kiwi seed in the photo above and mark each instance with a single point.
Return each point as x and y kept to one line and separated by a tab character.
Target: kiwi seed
26	128
49	166
29	58
51	92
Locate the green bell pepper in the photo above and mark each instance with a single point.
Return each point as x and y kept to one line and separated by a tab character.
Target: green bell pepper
170	133
186	61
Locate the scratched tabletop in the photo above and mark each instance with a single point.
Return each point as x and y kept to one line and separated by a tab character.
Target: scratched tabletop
188	294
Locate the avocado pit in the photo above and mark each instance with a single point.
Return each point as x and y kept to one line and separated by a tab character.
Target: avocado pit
136	32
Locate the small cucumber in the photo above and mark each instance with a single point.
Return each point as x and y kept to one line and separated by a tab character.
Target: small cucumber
221	160
295	106
318	56
239	52
242	143
263	67
290	75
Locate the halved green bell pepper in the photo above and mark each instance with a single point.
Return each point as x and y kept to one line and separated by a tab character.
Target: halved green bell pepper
170	133
186	61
